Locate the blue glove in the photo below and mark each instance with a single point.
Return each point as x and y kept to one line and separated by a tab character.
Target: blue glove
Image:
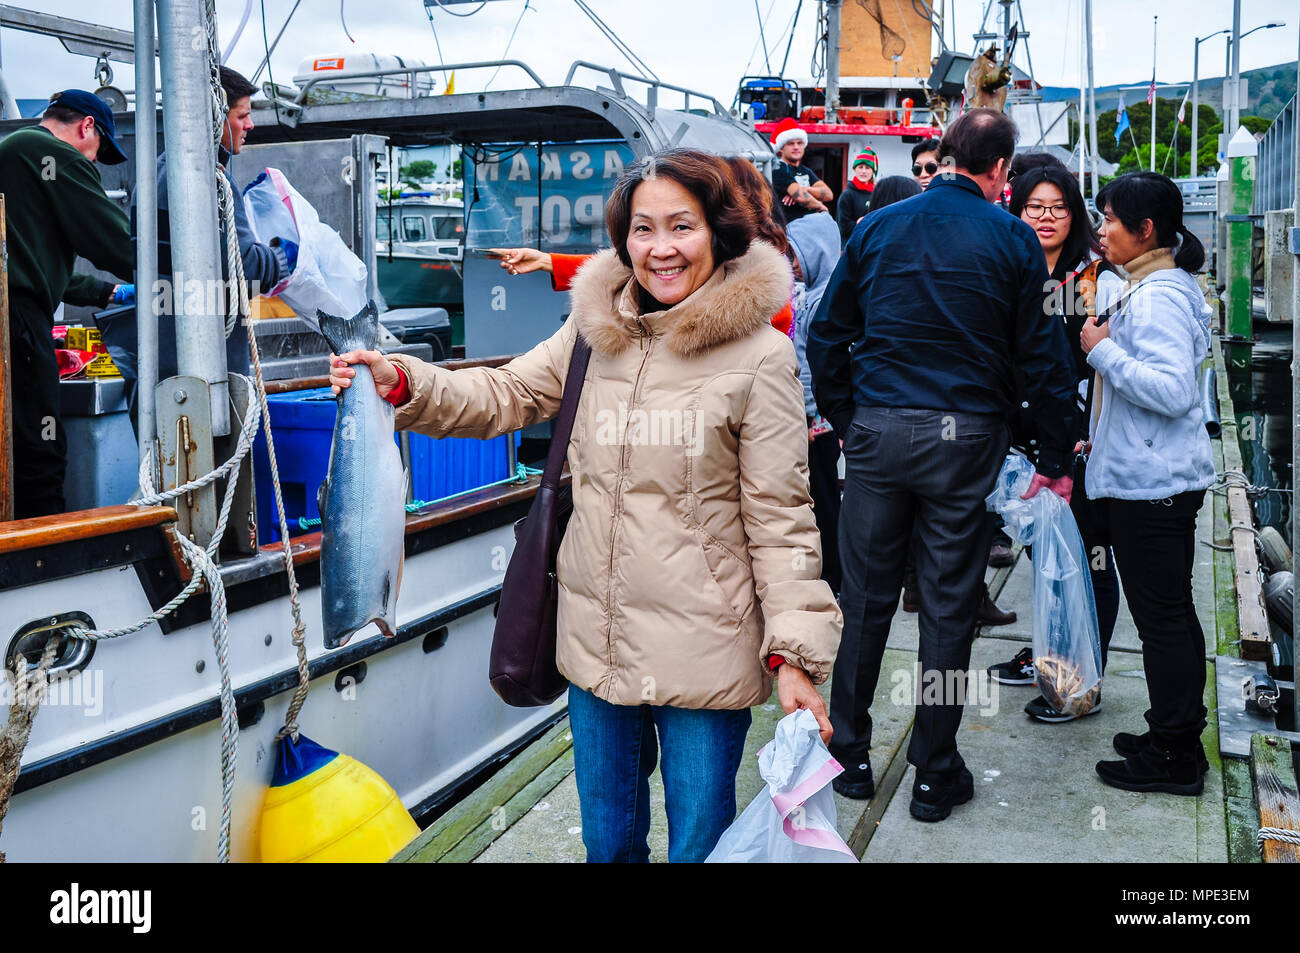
124	294
290	250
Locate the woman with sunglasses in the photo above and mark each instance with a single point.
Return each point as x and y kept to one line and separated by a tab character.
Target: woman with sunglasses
1047	198
925	161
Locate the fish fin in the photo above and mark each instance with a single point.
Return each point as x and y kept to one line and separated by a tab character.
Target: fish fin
357	333
322	495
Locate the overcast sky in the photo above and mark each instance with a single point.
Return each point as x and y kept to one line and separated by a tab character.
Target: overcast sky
703	44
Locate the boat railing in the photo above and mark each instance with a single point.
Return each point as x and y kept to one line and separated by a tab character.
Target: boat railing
1275	163
616	78
300	100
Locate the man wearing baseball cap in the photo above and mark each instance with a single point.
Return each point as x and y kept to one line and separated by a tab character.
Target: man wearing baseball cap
801	189
856	199
56	210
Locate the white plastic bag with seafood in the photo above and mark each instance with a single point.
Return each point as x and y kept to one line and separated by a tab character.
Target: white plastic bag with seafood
793	819
327	276
1067	643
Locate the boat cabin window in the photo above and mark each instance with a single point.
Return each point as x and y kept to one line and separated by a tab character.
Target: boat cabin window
448	227
382	230
413	229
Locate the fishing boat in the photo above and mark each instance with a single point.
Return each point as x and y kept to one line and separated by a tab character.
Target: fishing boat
420	246
883	77
129	753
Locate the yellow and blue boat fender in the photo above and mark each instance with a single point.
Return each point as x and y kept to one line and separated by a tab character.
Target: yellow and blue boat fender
325	807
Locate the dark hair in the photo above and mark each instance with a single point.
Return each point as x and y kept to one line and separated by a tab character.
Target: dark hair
235	85
727	210
762	197
1137	196
1024	161
977	139
891	189
1082	237
924	146
61	113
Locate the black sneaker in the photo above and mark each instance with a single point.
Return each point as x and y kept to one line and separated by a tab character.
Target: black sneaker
933	801
1019	671
855	782
1001	554
1129	745
1154	769
1039	709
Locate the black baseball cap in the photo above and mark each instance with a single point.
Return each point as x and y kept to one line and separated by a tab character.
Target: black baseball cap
88	104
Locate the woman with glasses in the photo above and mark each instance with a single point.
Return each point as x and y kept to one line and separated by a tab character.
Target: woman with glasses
1046	197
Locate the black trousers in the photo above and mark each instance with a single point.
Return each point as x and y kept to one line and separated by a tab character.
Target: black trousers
40	445
1155	550
824	484
926	470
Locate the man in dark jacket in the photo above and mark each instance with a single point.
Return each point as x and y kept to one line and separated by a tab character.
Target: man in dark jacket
56	210
912	351
264	265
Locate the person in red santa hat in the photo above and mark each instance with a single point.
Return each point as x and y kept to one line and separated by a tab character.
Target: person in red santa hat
801	189
856	199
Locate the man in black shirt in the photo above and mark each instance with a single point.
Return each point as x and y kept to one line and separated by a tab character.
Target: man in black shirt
800	188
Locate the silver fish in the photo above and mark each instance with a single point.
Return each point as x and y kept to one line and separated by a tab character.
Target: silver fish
363	498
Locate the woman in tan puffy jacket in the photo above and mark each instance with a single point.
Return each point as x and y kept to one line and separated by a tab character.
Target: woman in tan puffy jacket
689	572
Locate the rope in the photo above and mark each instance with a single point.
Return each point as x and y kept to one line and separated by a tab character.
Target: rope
22	712
1277	834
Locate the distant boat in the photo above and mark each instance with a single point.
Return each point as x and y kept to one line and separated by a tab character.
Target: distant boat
422	266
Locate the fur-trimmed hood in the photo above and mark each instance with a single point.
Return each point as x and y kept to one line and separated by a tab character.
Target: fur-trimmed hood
740	297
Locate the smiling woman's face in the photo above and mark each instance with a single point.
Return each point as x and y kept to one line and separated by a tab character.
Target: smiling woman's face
669	241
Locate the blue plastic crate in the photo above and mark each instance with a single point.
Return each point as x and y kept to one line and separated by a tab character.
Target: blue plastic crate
303	422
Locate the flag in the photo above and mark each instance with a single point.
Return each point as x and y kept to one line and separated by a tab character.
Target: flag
1151	93
451	85
1121	119
1182	108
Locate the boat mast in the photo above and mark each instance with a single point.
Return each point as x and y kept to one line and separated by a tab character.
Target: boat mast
146	265
191	167
1155	27
832	60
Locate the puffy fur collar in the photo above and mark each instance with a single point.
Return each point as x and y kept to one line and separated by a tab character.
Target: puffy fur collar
738	299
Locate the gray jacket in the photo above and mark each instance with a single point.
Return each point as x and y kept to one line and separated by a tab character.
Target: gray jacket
816	243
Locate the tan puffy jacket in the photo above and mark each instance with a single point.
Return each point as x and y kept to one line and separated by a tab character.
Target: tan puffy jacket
692	553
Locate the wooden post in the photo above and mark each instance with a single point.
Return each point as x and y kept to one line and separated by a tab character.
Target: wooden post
6	408
1275	788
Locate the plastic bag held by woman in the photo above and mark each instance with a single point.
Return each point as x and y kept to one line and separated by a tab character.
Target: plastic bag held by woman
1067	647
793	819
327	276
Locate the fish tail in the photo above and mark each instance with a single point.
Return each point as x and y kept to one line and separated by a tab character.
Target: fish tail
357	333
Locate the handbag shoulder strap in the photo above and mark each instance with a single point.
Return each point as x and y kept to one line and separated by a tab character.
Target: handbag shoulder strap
568	411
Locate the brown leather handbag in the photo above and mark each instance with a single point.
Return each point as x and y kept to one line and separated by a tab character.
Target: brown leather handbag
522	666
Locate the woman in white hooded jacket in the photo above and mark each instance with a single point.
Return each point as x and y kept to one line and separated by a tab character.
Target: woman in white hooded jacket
1149	466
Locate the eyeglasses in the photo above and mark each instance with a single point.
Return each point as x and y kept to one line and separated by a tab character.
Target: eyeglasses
930	168
1034	210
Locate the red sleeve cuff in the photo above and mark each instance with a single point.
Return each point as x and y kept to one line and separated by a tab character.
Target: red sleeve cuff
402	392
563	268
774	662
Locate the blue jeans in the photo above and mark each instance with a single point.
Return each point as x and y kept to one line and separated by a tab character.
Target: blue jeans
614	754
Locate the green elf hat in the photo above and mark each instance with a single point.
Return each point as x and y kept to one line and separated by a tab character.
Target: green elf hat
867	157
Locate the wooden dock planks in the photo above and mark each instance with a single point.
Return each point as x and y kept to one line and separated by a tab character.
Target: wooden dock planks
1279	801
471	826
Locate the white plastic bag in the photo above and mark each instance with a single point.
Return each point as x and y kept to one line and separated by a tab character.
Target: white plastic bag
1067	643
793	819
327	276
